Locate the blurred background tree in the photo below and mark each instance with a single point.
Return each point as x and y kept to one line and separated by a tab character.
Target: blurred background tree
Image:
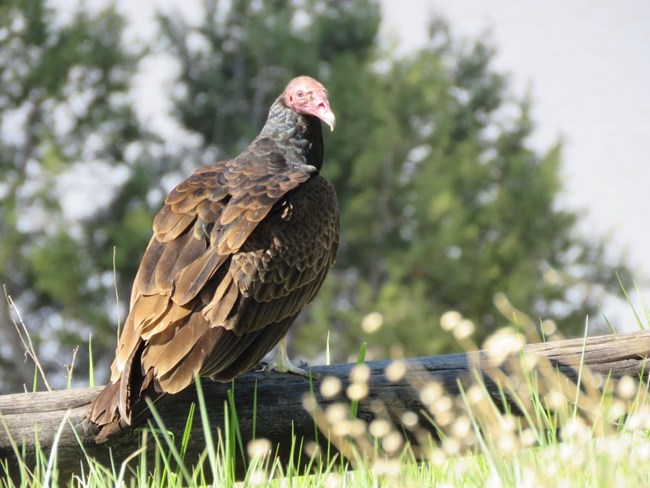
444	203
67	125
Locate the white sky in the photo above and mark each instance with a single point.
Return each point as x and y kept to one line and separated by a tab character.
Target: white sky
587	64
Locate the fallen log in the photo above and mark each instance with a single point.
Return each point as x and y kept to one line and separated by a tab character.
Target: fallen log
44	419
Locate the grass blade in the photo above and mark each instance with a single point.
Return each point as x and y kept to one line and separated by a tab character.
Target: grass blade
170	443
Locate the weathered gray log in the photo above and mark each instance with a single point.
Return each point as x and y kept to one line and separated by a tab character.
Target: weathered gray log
25	418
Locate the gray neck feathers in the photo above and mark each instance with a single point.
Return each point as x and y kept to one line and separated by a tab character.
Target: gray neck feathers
299	136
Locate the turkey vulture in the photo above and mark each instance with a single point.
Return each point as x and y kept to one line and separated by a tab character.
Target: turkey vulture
238	249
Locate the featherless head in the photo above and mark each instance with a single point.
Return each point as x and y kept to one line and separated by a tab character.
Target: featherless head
305	95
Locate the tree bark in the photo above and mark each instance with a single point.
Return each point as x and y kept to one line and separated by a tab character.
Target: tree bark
280	411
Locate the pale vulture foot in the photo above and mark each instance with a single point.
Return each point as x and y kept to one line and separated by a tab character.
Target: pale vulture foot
282	363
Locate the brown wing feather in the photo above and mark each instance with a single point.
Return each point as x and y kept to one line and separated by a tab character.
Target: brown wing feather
192	364
191	279
145	282
164	356
162	327
178	254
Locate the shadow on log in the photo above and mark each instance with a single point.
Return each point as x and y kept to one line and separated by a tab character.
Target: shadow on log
28	417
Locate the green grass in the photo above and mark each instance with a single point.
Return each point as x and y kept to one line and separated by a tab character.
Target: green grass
555	432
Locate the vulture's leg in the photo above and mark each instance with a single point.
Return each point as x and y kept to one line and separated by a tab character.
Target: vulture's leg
282	363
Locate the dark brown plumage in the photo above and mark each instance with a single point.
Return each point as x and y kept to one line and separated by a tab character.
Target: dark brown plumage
238	249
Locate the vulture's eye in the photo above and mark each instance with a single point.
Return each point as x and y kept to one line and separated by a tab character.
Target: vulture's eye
300	93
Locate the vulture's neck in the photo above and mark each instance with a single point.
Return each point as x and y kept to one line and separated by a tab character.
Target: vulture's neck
300	137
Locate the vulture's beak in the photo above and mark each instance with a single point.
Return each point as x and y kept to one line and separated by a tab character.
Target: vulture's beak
329	119
321	109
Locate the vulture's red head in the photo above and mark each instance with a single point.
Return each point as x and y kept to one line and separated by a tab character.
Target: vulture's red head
307	96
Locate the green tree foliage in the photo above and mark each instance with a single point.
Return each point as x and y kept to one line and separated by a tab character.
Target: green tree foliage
444	202
448	205
238	59
63	104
